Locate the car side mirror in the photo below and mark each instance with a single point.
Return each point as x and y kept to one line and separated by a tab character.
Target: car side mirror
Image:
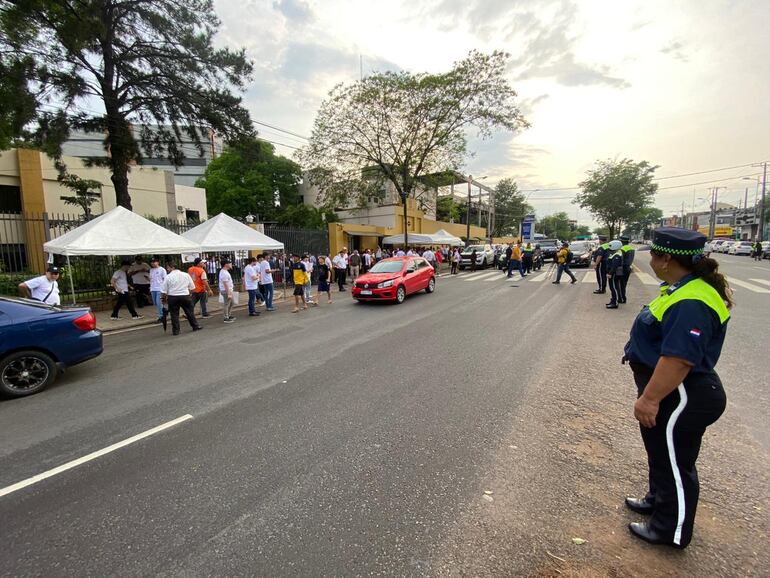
410	270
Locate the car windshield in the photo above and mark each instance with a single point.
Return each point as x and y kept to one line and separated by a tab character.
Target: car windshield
578	247
476	248
387	267
547	242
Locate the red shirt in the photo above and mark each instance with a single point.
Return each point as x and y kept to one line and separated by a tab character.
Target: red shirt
198	275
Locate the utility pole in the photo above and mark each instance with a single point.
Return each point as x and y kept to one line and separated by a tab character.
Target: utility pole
762	206
479	205
468	214
491	219
713	216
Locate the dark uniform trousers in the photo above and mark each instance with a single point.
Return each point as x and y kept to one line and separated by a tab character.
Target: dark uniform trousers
623	283
601	275
185	302
673	446
615	289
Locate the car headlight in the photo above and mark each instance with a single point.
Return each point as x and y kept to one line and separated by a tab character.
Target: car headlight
385	284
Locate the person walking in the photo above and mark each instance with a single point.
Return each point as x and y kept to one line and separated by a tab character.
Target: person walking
251	273
600	264
157	276
175	291
614	271
514	261
367	260
340	267
266	281
44	288
324	279
430	257
378	253
455	261
355	265
299	276
226	290
202	288
563	258
673	346
473	260
140	280
526	259
308	286
119	283
628	261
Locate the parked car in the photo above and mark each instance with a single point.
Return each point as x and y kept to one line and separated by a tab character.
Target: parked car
716	244
724	246
581	253
393	279
549	247
39	341
766	249
485	256
741	248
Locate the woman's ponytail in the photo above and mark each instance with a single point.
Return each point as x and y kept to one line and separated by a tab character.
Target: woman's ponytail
708	269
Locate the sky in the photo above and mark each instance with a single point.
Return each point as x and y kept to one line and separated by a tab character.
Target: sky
681	84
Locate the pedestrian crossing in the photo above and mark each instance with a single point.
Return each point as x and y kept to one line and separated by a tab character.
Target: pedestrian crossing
755	285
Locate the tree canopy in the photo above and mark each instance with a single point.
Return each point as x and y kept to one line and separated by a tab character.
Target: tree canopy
86	193
150	63
401	126
616	191
510	208
248	177
557	226
641	224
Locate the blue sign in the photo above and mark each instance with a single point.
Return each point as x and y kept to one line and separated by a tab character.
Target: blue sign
526	230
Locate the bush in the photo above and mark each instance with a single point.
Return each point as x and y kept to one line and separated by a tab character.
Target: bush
9	283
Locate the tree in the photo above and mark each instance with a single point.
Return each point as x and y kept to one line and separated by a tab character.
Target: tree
248	177
615	191
306	217
447	209
556	226
510	208
640	224
399	127
148	62
582	231
87	192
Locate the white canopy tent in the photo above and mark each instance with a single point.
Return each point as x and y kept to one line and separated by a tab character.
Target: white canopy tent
414	239
223	233
118	232
443	237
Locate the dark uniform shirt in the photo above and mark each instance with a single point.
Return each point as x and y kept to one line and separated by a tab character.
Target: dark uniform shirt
614	262
689	329
628	258
601	251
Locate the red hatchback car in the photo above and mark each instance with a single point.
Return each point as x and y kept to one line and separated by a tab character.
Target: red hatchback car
393	279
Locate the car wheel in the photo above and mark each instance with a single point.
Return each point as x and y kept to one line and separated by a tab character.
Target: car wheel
431	285
26	372
400	294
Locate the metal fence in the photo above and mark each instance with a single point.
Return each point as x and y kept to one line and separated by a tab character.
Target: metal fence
22	236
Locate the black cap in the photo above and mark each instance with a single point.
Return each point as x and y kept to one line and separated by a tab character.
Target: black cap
225	261
197	260
53	269
154	260
676	241
625	238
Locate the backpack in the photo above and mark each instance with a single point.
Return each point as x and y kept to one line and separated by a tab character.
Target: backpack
568	260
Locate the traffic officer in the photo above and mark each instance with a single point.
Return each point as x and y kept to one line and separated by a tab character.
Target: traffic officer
600	256
614	260
675	343
526	258
628	260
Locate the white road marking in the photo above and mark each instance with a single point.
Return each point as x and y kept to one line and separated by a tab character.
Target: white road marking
763	281
92	456
540	278
749	286
481	276
646	278
497	277
589	277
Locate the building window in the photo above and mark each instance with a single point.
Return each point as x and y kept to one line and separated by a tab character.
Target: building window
10	199
192	215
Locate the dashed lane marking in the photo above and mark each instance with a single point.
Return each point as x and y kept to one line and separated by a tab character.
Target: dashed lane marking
540	278
762	281
646	278
92	456
480	276
749	286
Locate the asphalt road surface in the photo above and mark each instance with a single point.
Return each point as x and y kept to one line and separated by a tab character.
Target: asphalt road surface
359	439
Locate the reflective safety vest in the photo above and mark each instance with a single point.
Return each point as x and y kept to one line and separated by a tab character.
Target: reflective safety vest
627	248
528	250
696	289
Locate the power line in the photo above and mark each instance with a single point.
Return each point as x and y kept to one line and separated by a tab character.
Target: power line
279	129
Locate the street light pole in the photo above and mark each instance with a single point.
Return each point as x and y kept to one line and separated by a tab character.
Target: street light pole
468	214
762	205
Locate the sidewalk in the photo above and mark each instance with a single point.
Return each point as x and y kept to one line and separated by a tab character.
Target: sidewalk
107	325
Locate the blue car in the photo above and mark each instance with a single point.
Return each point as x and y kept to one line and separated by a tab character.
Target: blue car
38	341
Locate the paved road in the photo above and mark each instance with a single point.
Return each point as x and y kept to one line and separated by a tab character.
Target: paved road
345	440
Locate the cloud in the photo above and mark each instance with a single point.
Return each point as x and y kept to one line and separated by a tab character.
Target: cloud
296	11
675	49
568	72
527	105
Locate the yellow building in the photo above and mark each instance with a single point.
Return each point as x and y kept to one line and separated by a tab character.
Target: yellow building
29	186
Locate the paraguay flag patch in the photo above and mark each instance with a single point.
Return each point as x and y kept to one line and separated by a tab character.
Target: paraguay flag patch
695	332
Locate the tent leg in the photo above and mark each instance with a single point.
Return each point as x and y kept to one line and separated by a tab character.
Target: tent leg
72	283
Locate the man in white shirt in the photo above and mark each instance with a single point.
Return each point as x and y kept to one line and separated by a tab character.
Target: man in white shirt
175	291
44	288
266	281
308	263
157	276
367	264
400	252
251	273
340	269
226	289
119	283
140	279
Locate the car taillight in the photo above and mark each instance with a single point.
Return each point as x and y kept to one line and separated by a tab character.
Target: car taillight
86	322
